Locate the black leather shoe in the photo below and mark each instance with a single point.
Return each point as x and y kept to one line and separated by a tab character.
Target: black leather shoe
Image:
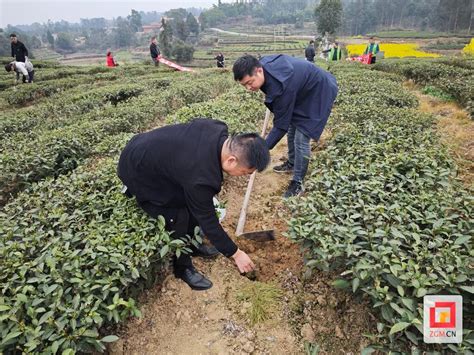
194	279
205	251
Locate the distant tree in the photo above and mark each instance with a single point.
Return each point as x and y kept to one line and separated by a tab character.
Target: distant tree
453	15
61	26
150	17
5	49
471	19
35	42
50	38
328	16
193	25
135	20
299	20
166	38
211	17
361	17
64	41
124	34
93	23
99	40
182	30
183	52
177	14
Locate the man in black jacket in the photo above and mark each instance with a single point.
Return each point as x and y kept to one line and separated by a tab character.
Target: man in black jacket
154	51
220	60
176	170
19	51
310	52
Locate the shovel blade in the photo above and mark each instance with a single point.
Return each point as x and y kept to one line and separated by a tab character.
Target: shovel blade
260	236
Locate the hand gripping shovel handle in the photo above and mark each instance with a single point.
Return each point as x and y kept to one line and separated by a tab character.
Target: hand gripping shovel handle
243	211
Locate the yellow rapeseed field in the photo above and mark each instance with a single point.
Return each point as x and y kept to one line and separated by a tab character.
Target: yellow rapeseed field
391	50
469	48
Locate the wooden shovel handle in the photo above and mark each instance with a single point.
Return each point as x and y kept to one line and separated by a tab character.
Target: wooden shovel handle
243	211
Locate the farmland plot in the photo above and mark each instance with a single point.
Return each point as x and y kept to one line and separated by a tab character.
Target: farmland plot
382	216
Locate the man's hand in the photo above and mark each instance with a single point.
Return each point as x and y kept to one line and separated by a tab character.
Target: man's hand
243	261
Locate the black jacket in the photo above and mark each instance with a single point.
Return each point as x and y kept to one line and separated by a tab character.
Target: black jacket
179	166
154	50
310	53
220	61
19	51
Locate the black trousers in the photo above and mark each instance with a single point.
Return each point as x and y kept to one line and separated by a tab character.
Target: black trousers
178	220
31	75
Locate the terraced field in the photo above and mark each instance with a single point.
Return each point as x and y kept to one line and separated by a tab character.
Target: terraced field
384	220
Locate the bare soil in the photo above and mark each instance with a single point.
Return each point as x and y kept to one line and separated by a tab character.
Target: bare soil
177	320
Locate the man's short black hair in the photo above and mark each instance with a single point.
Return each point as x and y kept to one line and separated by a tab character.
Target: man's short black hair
12	35
252	149
8	67
311	42
371	37
245	65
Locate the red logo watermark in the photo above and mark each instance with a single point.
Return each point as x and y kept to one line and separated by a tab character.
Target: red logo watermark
442	321
443	315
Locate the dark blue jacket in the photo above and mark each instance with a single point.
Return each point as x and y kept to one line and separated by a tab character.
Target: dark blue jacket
298	93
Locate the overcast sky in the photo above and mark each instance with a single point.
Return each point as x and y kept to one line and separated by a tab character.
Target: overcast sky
23	12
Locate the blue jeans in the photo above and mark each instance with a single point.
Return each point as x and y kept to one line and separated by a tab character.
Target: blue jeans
299	151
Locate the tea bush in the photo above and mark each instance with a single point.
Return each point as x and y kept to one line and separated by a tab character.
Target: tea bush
58	112
22	94
72	252
28	158
43	64
392	94
448	76
383	207
240	109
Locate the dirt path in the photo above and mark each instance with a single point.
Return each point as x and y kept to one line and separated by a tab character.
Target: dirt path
177	320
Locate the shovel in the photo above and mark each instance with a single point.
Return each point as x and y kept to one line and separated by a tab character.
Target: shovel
258	236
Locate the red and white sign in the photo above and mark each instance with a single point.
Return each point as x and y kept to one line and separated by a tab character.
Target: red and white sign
364	58
173	65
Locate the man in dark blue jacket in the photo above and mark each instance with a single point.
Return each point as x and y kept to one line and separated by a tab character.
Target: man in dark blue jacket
175	171
301	97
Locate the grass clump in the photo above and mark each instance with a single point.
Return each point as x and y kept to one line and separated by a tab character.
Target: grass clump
261	299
